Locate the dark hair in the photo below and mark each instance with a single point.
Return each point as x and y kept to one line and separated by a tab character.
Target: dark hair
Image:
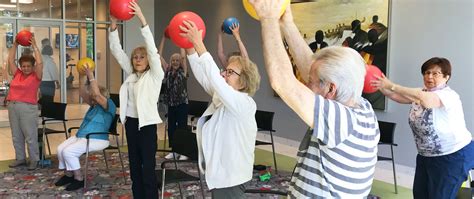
47	50
27	58
443	63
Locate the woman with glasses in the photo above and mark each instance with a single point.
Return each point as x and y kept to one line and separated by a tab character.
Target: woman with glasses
436	118
175	93
227	130
138	105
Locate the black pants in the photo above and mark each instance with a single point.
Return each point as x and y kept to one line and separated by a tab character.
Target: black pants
141	155
177	118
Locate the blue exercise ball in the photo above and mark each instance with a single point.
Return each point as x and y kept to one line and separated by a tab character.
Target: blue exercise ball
227	24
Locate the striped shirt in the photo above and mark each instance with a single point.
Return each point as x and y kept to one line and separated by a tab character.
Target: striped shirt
337	158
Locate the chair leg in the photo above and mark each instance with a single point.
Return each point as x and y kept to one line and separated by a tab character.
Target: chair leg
394	173
273	150
180	191
163	183
123	135
166	135
121	162
47	142
105	159
65	130
200	183
87	166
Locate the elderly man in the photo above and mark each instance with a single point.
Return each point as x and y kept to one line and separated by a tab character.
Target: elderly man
337	157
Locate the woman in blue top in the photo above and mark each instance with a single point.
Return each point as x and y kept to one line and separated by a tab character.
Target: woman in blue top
97	119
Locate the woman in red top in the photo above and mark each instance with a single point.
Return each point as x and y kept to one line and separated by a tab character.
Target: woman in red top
23	104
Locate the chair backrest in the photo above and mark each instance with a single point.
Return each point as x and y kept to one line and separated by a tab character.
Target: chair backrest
53	110
185	143
115	98
387	131
264	120
197	108
113	125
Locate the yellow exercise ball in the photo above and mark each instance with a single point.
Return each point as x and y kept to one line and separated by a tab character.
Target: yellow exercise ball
81	64
249	8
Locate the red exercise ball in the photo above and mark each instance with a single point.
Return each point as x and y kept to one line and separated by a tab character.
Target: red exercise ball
120	10
167	32
372	71
23	37
177	20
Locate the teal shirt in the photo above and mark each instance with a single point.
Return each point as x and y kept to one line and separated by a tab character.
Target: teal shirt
97	119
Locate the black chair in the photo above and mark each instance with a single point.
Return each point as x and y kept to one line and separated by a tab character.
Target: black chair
387	132
185	144
52	112
116	99
113	132
265	123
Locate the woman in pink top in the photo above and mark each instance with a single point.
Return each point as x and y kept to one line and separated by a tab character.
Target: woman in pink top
22	106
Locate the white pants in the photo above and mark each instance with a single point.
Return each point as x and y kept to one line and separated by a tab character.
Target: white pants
70	150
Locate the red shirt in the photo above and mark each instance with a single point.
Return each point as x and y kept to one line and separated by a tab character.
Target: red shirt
24	88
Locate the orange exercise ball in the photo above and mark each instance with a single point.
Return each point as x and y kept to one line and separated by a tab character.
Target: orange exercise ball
372	71
120	10
174	30
81	64
251	11
23	37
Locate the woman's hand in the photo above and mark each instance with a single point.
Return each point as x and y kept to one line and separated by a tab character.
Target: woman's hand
113	24
191	32
137	11
267	9
381	82
89	73
33	43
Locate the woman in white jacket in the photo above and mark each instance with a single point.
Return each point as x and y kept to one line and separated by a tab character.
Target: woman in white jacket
226	131
138	105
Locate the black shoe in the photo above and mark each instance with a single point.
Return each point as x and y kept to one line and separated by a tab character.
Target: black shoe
75	185
64	180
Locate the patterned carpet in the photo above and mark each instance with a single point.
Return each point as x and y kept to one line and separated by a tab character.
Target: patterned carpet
109	183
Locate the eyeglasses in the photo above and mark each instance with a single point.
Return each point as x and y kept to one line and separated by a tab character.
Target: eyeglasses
434	73
229	72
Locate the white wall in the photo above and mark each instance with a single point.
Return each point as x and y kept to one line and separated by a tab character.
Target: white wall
132	32
420	29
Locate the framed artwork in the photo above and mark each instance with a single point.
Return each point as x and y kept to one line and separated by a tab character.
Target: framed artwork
358	24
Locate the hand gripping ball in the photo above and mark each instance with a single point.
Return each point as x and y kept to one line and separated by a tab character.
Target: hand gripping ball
227	24
177	20
23	37
120	10
81	65
251	11
372	71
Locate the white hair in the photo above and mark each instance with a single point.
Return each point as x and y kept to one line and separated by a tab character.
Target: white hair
343	67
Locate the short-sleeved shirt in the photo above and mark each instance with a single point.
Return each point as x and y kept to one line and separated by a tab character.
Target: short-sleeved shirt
24	88
337	158
440	131
175	92
97	119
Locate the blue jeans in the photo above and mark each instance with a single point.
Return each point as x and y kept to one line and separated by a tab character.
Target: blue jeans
441	177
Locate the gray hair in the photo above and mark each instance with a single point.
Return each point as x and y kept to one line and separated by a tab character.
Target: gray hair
345	68
103	91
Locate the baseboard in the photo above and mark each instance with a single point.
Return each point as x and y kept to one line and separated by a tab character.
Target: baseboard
383	169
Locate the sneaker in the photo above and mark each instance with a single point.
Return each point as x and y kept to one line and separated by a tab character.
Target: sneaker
75	185
64	180
171	156
32	165
183	157
17	163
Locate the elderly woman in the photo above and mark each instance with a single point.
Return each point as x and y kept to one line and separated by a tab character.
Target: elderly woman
98	118
139	95
445	146
175	93
227	130
337	157
23	104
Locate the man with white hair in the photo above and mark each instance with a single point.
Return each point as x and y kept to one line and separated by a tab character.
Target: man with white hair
337	157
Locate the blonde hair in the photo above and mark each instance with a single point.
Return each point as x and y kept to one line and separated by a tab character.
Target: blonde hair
249	76
137	50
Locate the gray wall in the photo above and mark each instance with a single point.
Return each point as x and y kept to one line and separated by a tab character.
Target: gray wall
419	30
132	27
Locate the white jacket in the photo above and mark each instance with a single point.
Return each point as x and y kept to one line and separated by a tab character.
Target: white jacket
147	88
226	142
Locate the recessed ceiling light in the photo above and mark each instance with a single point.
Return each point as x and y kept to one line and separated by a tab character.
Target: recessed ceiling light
7	5
22	1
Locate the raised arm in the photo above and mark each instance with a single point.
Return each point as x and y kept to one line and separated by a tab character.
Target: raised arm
11	58
94	89
184	63
220	50
116	47
164	64
299	49
236	32
277	63
152	53
406	95
38	58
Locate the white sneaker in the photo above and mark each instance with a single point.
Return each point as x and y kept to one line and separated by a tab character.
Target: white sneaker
170	156
183	157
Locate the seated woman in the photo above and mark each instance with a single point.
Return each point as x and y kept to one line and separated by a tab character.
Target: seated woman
97	119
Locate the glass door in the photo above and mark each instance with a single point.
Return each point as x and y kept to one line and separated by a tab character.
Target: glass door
7	33
49	36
